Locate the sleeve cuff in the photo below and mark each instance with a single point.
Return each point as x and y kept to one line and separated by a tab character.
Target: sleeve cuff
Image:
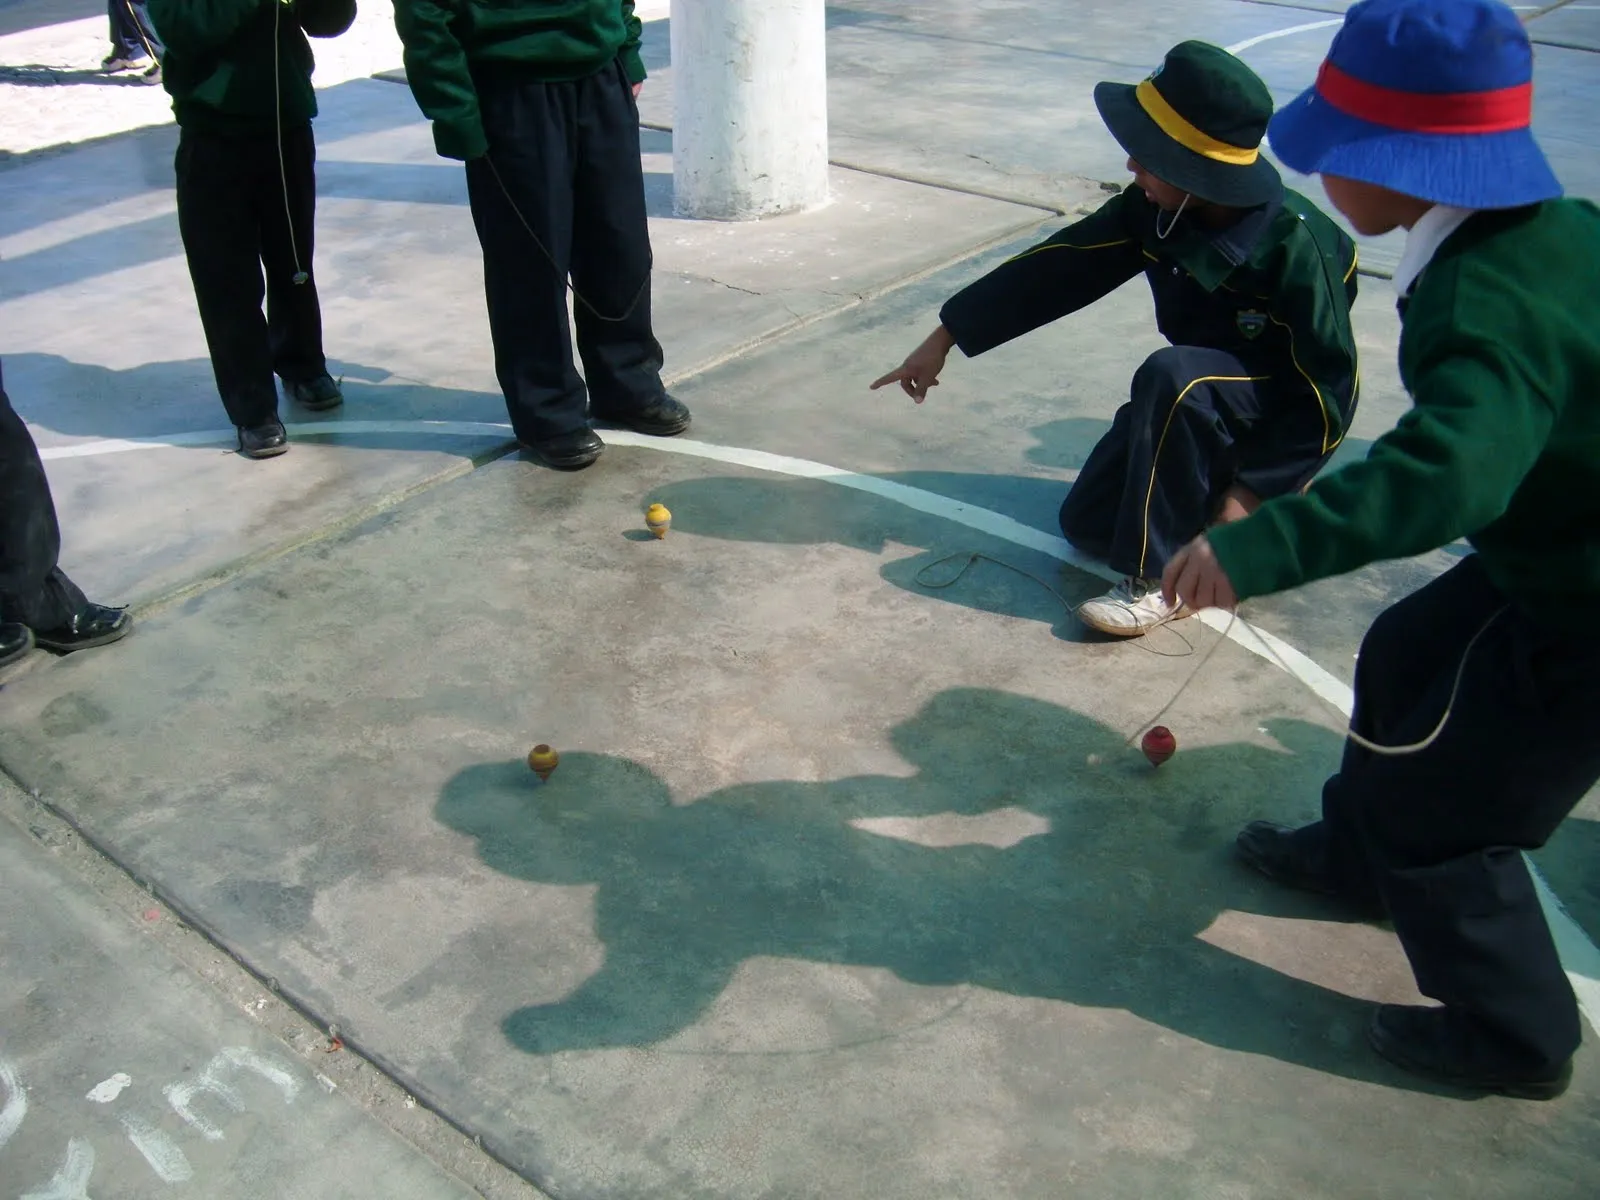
1255	554
633	65
464	140
951	317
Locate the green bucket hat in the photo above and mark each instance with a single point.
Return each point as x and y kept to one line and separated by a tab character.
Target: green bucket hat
1197	123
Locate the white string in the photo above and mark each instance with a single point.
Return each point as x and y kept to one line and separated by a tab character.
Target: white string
139	29
1172	223
1184	686
1350	732
576	295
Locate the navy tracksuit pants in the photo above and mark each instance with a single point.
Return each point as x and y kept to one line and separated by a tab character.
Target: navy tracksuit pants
561	192
1155	480
34	591
1436	836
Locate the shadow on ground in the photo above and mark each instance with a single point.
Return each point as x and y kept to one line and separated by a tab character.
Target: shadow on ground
805	512
92	255
1079	896
161	399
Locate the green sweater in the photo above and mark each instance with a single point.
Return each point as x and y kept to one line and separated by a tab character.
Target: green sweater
555	40
218	65
1500	352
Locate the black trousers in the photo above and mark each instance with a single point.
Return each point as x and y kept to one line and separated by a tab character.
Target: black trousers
132	35
1436	835
1154	481
235	220
33	588
563	167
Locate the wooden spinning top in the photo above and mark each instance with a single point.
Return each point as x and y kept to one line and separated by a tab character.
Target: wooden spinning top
658	520
1159	745
543	760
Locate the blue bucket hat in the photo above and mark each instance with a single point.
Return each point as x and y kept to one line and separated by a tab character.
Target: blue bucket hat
1429	98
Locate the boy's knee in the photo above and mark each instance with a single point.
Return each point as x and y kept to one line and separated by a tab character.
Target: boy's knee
1161	376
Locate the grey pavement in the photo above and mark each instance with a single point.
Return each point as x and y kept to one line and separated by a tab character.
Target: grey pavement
846	885
124	1073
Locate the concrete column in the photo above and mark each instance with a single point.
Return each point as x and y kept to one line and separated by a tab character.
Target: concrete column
750	104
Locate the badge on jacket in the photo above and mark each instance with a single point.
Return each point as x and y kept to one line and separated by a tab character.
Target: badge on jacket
1251	322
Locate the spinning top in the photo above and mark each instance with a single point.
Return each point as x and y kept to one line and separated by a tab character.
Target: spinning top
1159	745
543	760
658	520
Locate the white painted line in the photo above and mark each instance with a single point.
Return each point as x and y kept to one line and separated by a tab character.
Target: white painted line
164	1156
1579	955
1241	47
1257	641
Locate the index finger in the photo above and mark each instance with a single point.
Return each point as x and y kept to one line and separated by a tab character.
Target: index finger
897	373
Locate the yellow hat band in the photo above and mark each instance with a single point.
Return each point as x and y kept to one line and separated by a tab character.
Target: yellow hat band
1172	124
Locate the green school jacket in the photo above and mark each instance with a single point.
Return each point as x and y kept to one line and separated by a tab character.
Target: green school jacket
219	59
1274	290
556	40
1500	352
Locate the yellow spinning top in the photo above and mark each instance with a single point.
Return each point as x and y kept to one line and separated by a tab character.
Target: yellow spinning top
543	760
658	520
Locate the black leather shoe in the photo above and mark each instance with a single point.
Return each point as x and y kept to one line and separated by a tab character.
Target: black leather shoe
1451	1048
569	451
15	641
1296	862
316	394
662	417
93	625
263	440
1273	850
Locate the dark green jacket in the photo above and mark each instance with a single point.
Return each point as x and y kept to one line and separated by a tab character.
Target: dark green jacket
1275	291
555	40
1500	352
219	59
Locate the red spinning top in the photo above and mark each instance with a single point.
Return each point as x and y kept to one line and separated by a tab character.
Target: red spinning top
1159	745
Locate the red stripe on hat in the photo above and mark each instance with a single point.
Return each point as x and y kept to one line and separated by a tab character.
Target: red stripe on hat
1427	112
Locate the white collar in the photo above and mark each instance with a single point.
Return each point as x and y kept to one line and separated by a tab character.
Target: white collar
1424	240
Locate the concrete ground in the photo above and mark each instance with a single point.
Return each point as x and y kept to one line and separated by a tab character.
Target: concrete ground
845	885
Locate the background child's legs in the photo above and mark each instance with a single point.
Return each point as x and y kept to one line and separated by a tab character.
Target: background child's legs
33	588
1154	481
521	191
219	181
294	311
611	250
133	37
1440	829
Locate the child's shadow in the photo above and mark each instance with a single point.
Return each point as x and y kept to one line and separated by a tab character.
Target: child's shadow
1098	901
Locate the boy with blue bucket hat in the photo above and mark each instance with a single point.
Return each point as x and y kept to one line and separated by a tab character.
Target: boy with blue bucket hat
1472	736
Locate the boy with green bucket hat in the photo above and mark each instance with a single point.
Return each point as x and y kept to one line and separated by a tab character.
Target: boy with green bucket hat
1253	287
1472	736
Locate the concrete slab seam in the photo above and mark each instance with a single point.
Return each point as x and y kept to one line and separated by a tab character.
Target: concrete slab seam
1579	955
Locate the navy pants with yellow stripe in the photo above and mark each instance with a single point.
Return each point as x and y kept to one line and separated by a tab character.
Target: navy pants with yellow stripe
1157	477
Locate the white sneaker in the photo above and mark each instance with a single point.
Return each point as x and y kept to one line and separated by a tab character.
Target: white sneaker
1131	609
